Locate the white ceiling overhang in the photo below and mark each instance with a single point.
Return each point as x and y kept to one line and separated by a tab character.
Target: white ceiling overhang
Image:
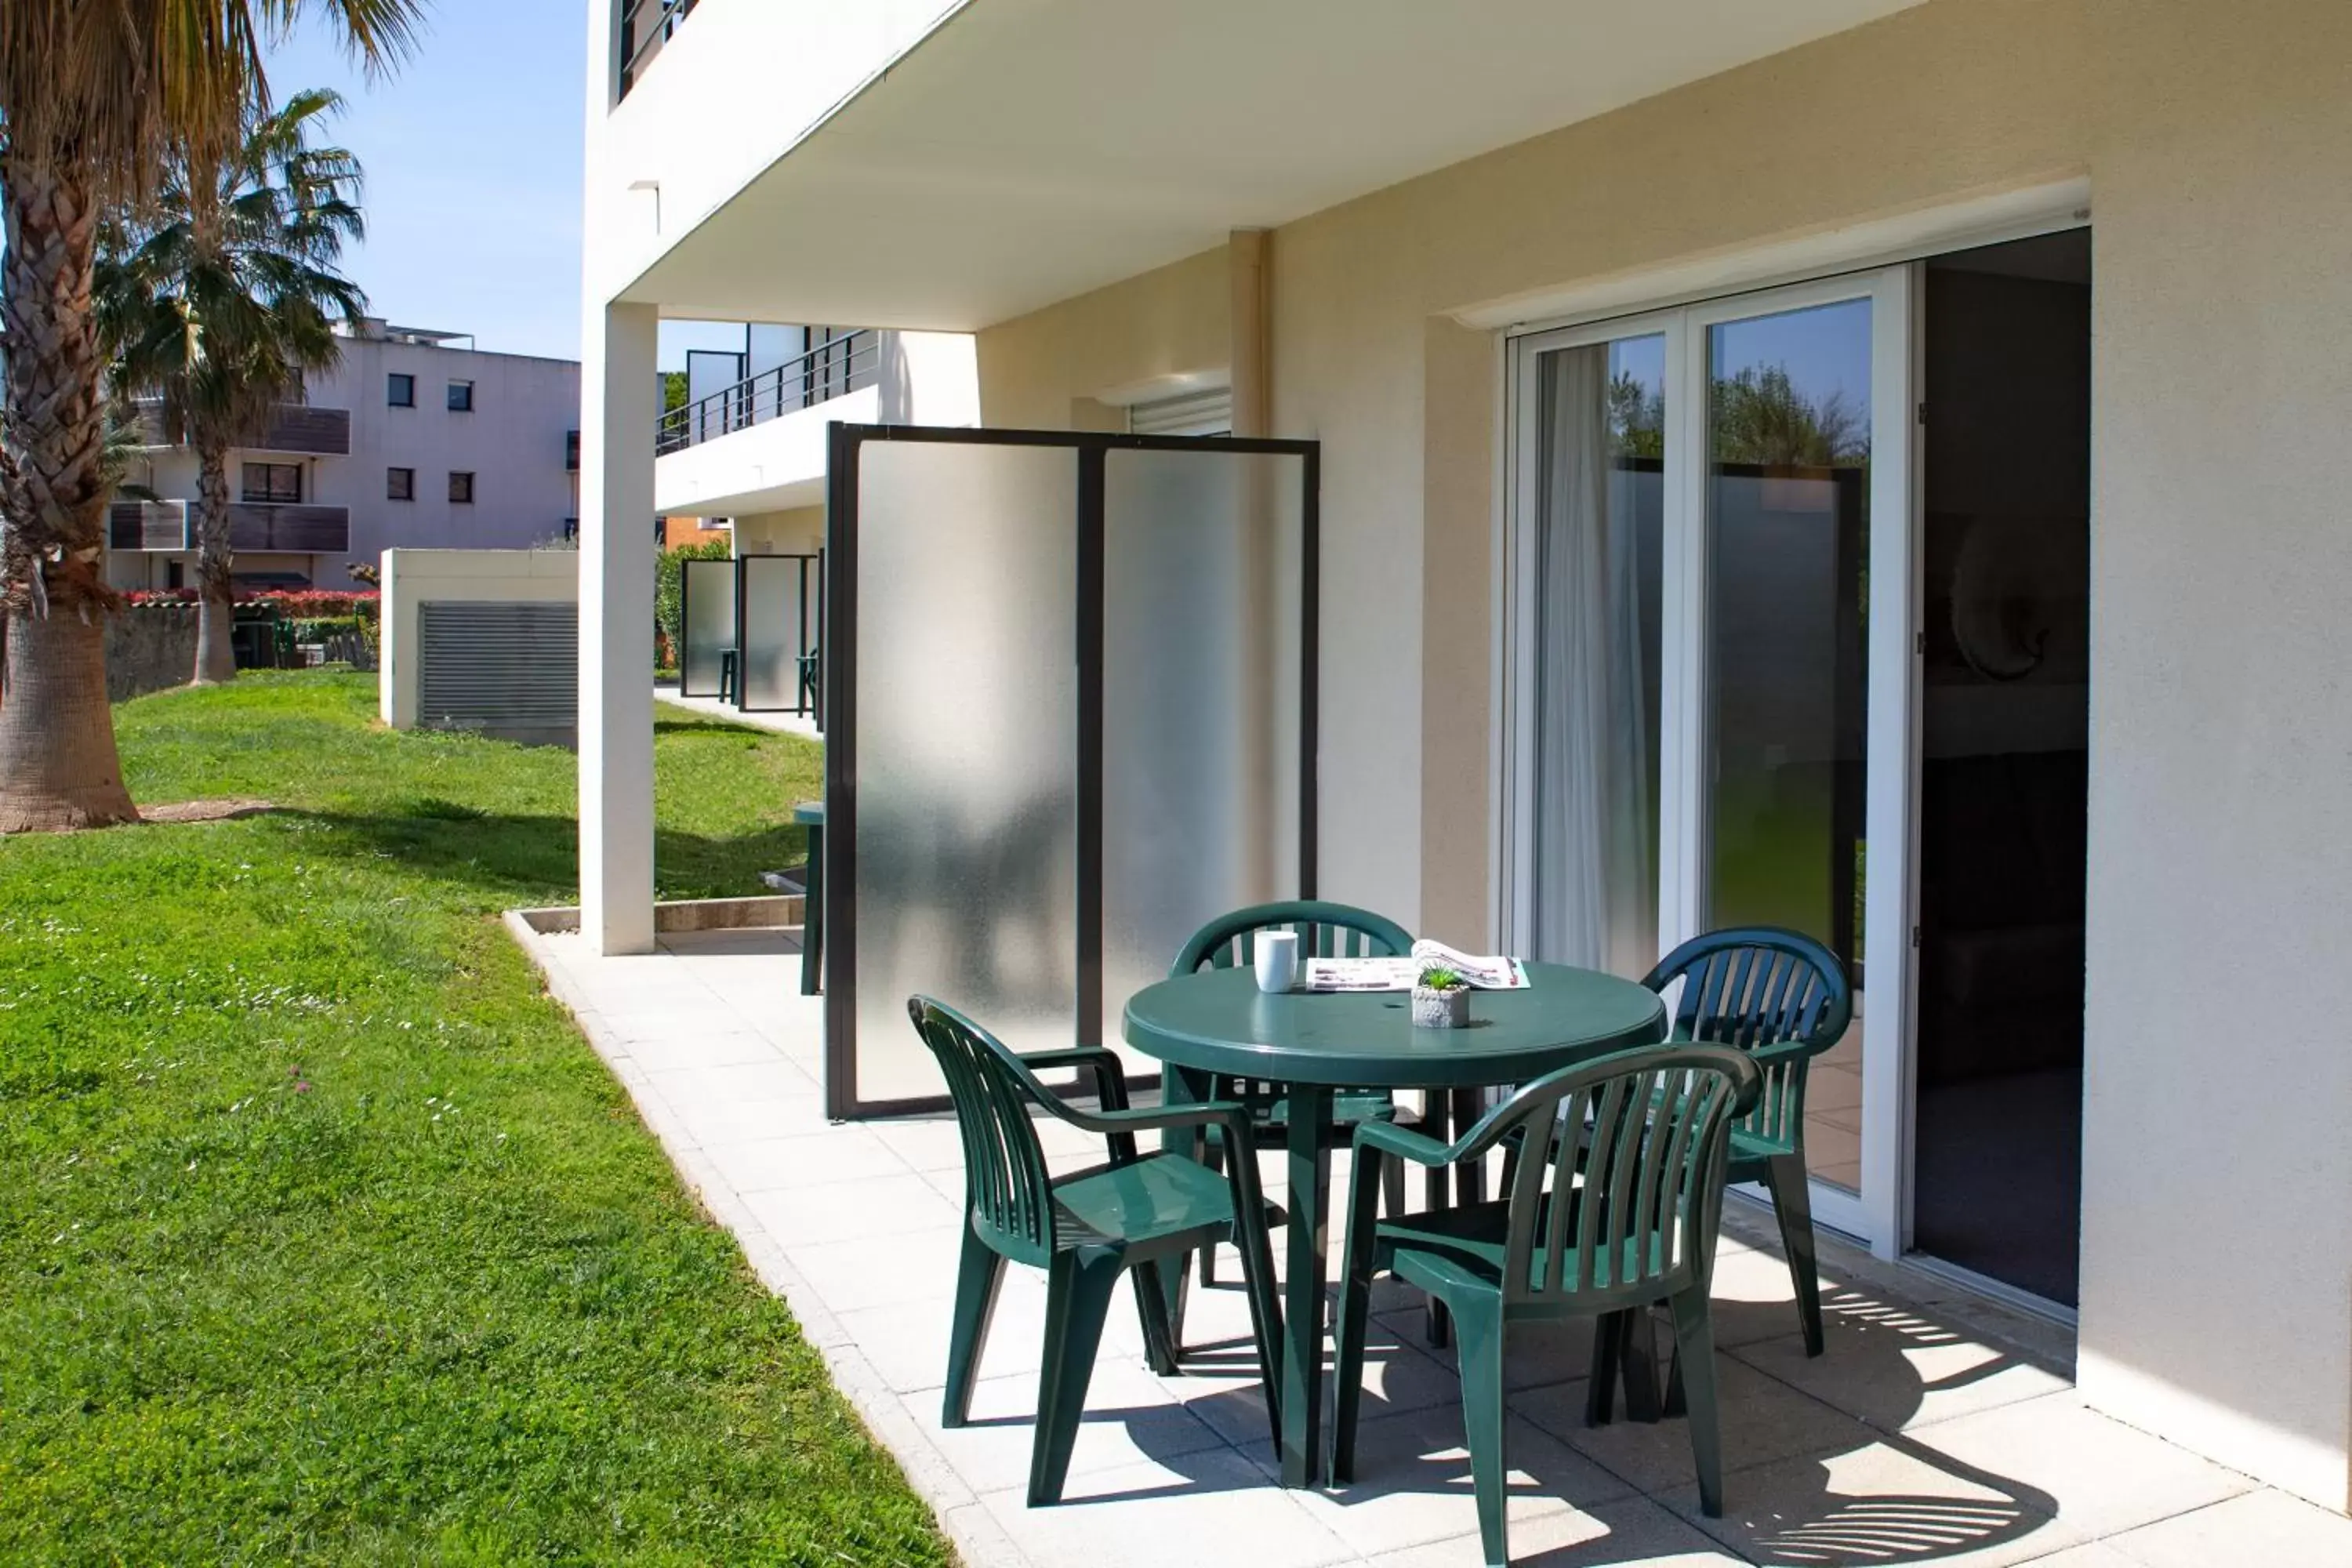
1028	151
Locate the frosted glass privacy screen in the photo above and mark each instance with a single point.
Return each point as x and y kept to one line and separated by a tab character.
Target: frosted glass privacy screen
777	618
1201	619
966	747
706	624
1068	721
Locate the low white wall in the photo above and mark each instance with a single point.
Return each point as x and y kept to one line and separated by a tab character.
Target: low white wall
413	577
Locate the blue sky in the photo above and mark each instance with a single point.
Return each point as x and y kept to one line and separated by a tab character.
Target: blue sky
472	152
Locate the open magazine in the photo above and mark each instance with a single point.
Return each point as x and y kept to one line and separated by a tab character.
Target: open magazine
1489	974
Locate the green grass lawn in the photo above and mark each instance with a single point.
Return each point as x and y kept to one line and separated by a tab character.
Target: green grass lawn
324	1235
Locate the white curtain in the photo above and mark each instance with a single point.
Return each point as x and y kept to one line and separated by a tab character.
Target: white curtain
1595	841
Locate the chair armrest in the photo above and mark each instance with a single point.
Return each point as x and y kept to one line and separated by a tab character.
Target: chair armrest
1109	1072
1405	1142
1772	1055
1114	1120
1227	1113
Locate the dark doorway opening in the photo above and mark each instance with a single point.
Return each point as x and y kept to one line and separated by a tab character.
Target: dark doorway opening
2003	775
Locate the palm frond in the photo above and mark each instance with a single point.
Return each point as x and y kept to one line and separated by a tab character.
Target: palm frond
217	299
102	87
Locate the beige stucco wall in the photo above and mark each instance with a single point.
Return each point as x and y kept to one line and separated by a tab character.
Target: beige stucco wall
798	531
2217	1281
1048	371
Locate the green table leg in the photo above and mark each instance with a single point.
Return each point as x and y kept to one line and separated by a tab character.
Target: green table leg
812	912
1181	1086
1303	1307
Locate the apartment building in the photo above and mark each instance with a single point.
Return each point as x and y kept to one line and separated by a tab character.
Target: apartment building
1838	431
415	439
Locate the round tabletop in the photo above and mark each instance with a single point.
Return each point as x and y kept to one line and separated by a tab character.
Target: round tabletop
1217	1020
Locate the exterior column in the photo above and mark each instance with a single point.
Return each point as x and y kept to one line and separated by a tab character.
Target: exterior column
618	409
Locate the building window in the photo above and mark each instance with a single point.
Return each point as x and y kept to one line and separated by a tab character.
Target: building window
461	397
278	482
461	488
400	391
400	484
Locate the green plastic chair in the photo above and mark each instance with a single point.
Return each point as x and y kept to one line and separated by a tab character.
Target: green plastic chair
1138	1211
1625	1218
1781	998
1325	930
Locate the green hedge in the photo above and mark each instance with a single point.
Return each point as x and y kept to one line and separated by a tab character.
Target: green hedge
320	629
670	584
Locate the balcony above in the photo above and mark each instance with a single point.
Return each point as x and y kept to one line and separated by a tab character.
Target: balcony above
1021	152
300	429
147	525
170	526
757	444
838	365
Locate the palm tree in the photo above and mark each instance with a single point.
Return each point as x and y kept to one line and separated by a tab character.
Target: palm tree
220	297
91	96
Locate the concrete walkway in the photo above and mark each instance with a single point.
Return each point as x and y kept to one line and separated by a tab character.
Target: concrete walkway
1935	1430
712	708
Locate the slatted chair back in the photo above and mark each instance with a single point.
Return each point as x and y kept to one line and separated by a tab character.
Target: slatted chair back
1007	1189
1627	1215
1325	930
1756	988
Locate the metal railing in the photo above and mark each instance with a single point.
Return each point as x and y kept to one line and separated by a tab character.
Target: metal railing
646	26
295	424
172	526
847	364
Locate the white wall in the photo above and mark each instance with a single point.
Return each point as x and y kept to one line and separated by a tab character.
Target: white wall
512	443
412	578
739	83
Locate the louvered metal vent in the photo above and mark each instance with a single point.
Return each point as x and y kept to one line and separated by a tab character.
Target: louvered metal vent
498	665
1209	412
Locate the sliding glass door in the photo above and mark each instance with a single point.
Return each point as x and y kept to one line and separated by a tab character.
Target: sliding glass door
1707	662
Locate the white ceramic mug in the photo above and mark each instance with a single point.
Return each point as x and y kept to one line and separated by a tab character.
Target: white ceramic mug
1277	959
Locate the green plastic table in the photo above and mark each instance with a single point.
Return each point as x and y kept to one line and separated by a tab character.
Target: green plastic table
1217	1021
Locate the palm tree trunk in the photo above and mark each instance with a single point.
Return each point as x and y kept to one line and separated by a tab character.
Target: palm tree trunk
58	767
215	608
58	764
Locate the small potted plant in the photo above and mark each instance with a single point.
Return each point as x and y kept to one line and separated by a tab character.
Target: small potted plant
1441	999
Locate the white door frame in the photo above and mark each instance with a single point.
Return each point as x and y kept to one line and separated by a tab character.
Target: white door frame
1515	891
1881	1213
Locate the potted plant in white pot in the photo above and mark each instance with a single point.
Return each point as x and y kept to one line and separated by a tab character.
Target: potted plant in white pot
1441	999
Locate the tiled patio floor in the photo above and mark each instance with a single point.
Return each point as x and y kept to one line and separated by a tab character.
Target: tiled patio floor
1934	1430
